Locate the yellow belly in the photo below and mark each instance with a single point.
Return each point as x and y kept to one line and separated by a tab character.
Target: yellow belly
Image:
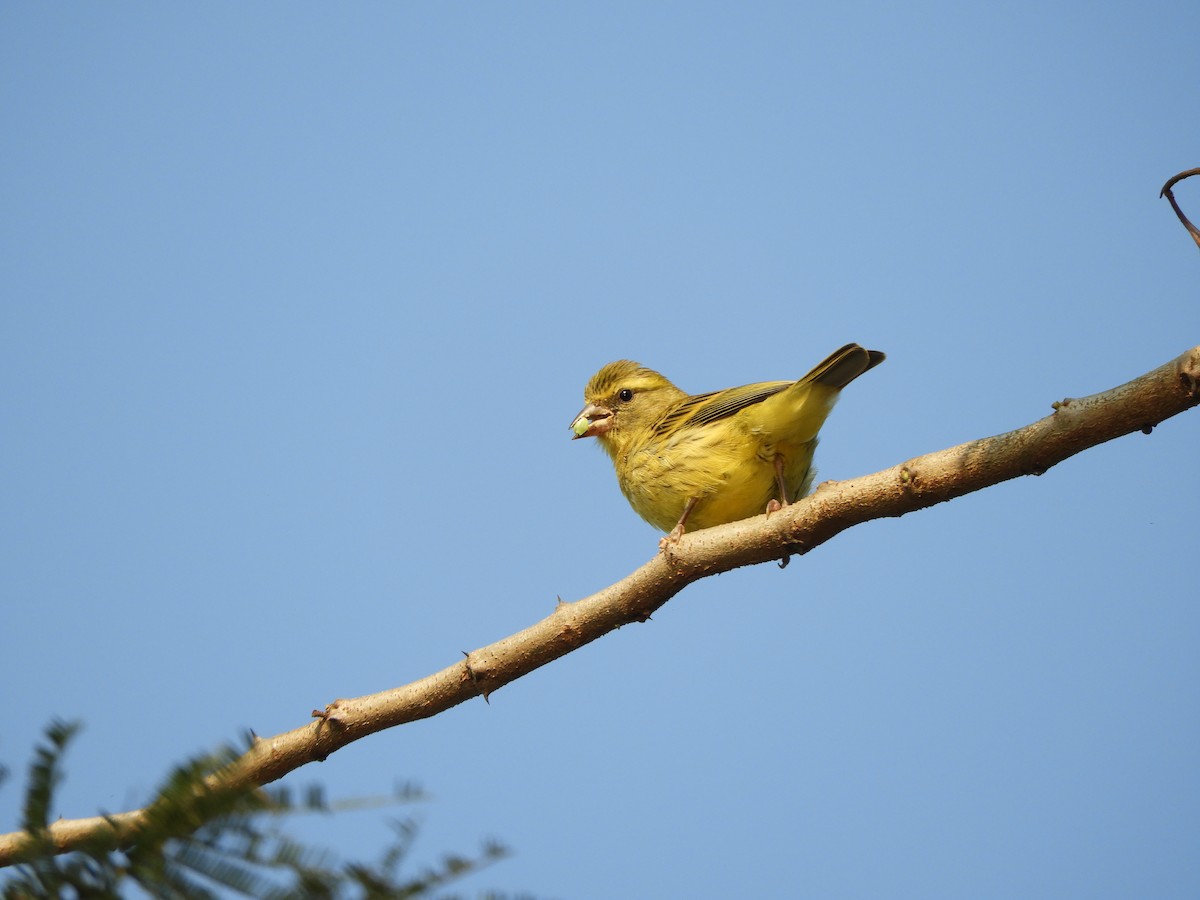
730	472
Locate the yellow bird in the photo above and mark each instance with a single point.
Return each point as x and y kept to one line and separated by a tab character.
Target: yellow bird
707	459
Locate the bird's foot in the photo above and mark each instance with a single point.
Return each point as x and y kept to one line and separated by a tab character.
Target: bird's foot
774	505
670	539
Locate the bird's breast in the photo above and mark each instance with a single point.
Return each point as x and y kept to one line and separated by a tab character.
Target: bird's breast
729	471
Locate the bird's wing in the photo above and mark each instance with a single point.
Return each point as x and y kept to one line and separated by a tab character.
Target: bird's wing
702	409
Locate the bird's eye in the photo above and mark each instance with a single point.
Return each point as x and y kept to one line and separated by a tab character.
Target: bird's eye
625	395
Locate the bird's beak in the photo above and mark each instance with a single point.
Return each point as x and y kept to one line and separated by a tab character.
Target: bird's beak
592	421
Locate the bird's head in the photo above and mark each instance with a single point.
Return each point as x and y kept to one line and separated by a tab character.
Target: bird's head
623	400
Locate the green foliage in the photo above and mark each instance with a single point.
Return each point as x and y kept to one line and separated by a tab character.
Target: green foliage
201	841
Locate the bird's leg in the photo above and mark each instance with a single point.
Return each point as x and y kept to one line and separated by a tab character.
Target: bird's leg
676	533
774	505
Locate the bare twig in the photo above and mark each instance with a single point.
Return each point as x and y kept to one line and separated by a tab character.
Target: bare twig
1169	194
1074	426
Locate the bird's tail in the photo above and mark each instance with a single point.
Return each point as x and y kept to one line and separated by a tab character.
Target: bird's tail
842	366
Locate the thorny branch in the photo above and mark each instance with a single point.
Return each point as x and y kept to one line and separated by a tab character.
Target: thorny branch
1074	426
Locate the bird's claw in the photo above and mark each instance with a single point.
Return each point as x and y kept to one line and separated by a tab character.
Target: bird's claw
670	539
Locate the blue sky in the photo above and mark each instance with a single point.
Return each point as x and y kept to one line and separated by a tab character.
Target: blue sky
297	304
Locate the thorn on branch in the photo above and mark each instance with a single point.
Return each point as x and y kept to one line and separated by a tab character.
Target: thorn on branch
329	715
476	677
470	669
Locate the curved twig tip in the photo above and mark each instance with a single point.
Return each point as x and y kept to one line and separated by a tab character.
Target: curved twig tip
1169	194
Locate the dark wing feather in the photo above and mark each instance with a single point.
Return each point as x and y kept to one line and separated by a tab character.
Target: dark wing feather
701	409
835	371
844	365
